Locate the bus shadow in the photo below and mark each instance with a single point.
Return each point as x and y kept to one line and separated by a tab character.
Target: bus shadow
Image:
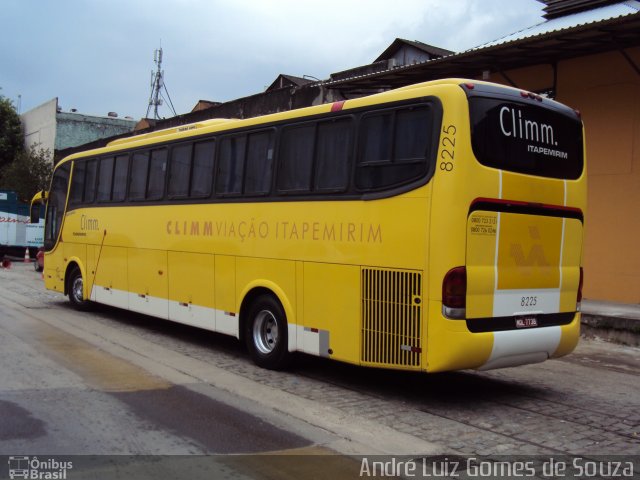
463	389
172	330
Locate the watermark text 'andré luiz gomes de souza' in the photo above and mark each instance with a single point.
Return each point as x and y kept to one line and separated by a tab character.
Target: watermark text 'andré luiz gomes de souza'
473	467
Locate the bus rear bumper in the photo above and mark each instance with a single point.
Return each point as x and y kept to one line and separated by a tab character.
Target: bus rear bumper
457	348
520	347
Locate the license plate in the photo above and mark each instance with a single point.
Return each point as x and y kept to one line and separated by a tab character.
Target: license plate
526	322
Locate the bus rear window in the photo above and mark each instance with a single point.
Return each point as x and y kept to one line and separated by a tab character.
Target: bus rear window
525	138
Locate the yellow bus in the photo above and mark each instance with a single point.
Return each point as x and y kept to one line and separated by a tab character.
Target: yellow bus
433	227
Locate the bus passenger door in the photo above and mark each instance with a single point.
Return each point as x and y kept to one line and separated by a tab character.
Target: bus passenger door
148	282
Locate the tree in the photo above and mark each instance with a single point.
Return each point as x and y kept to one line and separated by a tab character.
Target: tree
29	172
11	137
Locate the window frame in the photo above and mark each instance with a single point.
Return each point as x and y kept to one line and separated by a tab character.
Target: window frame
350	189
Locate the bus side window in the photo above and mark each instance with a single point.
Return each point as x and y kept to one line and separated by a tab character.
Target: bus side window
105	179
157	171
393	147
180	171
333	155
411	135
90	181
77	181
259	164
376	138
202	169
296	158
121	169
138	178
55	205
231	165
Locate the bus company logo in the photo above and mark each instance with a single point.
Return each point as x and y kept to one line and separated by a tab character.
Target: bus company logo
87	223
513	125
348	232
36	469
535	256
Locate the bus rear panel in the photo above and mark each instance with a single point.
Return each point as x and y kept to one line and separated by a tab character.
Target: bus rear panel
511	289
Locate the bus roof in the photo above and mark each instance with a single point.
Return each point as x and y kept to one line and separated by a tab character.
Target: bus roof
222	124
169	131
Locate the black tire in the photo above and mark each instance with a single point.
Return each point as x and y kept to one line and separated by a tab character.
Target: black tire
75	290
266	333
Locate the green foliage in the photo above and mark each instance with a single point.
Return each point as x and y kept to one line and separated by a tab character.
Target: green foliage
29	172
11	137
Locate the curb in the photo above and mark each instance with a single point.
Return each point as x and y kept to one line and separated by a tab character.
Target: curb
613	322
622	330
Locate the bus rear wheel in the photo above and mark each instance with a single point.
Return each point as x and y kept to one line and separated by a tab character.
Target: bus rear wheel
266	333
75	289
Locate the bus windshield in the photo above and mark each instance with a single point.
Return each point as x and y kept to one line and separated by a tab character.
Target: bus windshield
525	138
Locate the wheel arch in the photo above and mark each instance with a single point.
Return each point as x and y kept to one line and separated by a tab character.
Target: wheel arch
74	263
253	291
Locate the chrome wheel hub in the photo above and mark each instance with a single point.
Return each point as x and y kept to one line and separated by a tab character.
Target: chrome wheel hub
265	332
77	288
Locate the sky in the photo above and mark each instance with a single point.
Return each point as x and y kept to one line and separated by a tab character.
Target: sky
97	55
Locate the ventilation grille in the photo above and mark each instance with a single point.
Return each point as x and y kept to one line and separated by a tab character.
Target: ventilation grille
391	317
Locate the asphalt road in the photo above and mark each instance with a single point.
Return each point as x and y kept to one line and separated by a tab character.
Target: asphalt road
110	382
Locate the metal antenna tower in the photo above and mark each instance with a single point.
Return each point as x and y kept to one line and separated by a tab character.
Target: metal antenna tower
157	85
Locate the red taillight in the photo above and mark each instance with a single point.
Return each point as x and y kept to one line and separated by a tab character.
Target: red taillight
579	299
454	293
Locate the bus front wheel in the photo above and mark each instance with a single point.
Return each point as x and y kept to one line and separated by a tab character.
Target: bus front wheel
266	333
75	290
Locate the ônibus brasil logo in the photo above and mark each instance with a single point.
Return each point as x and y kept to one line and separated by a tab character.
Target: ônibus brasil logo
38	469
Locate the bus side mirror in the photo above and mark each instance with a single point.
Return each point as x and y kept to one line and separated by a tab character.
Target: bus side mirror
37	201
34	214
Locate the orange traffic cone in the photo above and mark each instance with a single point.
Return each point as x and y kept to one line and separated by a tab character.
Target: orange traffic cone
27	259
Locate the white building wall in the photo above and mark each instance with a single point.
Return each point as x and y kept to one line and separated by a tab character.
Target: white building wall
39	125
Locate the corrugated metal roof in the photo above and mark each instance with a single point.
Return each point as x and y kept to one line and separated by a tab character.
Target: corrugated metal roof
600	14
550	41
612	27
